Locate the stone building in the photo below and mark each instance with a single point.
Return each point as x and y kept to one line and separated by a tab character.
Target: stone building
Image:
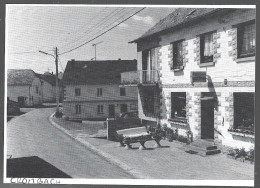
196	71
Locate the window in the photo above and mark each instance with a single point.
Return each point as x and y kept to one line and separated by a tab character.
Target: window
177	55
244	111
246	39
77	91
133	107
99	92
149	65
178	104
37	89
78	108
206	48
123	108
100	109
122	92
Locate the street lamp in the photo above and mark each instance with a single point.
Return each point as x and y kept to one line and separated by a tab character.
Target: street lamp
57	87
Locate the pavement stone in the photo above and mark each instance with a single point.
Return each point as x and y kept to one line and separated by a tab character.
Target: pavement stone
166	162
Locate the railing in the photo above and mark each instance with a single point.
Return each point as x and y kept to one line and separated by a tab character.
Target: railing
140	76
148	76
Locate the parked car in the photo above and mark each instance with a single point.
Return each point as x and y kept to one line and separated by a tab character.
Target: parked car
129	115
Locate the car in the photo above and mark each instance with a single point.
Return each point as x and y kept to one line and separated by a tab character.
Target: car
126	115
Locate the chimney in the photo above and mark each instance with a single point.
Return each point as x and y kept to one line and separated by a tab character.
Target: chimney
119	59
52	73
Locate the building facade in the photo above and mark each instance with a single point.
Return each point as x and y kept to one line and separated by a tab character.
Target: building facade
92	89
49	87
196	71
24	87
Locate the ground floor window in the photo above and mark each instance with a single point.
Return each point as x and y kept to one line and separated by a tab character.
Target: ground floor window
78	108
100	109
178	104
244	111
133	107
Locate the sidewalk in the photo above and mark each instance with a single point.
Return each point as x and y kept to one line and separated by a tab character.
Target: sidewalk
167	162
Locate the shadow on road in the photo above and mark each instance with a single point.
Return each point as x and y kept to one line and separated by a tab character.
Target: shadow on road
32	167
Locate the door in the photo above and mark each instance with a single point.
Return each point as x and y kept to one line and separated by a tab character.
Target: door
207	118
123	108
111	111
21	101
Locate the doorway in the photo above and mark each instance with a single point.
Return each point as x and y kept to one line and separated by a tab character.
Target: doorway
207	118
21	101
111	111
123	108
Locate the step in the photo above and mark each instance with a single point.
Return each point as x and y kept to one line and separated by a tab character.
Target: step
209	145
200	151
206	147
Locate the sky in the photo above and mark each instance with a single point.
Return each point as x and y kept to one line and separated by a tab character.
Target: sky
33	28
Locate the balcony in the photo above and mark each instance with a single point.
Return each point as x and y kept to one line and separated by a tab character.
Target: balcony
130	78
140	77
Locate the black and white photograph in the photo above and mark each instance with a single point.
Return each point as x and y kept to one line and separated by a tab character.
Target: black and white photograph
130	94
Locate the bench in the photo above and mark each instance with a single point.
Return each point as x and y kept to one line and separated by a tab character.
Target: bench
138	134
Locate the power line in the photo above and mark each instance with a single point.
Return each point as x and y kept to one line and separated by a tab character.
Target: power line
103	28
92	28
66	39
101	33
29	52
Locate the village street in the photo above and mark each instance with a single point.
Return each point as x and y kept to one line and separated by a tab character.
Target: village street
31	134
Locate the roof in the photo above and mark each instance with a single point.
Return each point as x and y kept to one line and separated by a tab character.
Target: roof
20	77
97	72
178	17
48	77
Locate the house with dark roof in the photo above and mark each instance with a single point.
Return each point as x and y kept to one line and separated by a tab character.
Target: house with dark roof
24	87
48	81
91	89
196	74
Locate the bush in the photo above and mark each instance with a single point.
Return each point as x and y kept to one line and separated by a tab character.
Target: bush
242	154
251	155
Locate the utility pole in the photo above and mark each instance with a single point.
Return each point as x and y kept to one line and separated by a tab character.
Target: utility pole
95	45
57	83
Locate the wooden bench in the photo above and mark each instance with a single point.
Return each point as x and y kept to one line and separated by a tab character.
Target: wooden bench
134	135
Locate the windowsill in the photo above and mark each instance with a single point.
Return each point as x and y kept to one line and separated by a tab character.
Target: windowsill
245	59
242	134
206	64
100	113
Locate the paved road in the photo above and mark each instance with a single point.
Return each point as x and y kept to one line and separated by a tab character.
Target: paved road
32	135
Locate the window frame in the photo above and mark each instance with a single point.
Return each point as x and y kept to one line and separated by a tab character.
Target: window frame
240	31
175	47
122	91
99	92
202	48
175	96
133	107
77	109
77	92
100	109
